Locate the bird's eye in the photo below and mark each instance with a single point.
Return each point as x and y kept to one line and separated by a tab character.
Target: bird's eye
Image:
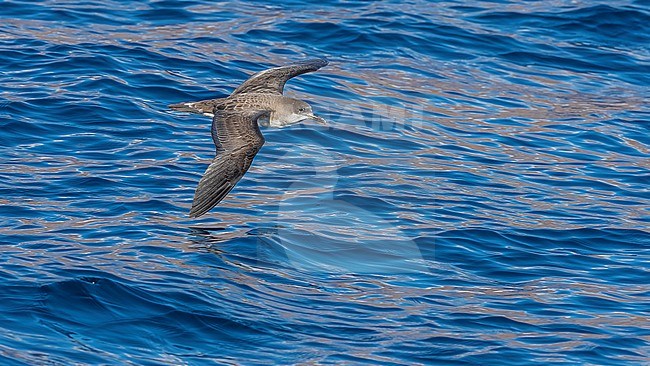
301	109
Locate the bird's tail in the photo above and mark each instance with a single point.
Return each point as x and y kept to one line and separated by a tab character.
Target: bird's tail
200	107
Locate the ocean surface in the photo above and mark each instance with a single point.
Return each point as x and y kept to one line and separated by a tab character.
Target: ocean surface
481	195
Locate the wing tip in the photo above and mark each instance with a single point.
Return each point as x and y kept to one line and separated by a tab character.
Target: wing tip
195	212
312	64
207	199
318	62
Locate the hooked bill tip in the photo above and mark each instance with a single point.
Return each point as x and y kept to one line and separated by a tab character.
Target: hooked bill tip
319	120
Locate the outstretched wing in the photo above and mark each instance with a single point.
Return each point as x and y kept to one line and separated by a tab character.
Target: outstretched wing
219	179
238	138
273	80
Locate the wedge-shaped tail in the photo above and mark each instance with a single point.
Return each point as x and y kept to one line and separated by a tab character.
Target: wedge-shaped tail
205	107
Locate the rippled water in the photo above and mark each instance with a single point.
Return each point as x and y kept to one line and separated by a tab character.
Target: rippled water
481	195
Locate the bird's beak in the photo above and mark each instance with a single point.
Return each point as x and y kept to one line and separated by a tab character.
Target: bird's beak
318	120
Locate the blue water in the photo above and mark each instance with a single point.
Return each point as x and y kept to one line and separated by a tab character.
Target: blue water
480	196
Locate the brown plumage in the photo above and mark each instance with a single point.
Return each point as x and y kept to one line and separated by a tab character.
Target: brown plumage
262	90
272	80
237	138
235	129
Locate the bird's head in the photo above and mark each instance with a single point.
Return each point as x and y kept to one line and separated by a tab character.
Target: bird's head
292	111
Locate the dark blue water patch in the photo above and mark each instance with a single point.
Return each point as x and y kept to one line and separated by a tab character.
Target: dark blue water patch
536	253
110	312
587	29
598	23
635	75
371	204
165	12
79	15
305	5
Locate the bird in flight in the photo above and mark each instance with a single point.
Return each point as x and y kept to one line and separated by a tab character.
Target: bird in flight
235	127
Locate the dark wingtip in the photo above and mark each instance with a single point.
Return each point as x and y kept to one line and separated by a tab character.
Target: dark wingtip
198	210
320	62
314	63
194	214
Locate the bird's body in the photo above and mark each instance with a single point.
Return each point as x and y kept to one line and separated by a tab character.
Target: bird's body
235	129
281	108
